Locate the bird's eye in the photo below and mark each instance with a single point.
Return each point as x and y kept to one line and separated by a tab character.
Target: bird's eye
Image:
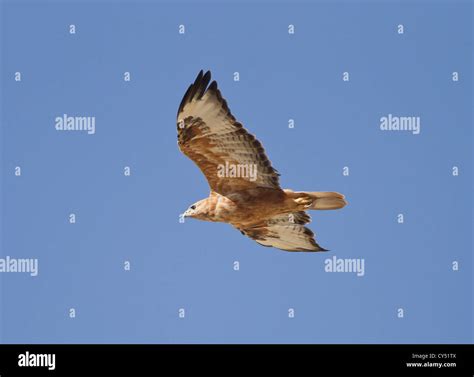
193	207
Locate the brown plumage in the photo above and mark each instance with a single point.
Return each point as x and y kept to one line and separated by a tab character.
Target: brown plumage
245	189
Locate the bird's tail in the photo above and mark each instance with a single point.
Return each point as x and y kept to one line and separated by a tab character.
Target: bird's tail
319	200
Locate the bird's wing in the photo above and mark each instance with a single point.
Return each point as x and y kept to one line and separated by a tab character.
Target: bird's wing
230	157
286	232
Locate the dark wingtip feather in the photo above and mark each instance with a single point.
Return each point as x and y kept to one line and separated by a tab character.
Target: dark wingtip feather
185	99
213	86
197	89
203	84
198	77
318	248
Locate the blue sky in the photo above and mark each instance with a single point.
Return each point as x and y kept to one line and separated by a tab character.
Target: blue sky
135	218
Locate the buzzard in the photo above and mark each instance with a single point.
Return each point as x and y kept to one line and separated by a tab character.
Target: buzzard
245	189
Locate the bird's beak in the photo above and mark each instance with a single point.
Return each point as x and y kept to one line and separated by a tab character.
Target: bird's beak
186	214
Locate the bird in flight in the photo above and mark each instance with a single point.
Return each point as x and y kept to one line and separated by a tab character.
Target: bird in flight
244	187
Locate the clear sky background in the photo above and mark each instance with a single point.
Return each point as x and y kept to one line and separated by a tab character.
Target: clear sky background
190	265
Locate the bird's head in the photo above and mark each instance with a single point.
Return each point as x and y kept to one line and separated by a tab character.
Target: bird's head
198	210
